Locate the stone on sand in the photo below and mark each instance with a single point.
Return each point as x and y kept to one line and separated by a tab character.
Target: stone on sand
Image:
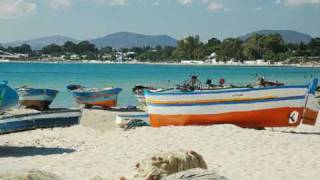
164	164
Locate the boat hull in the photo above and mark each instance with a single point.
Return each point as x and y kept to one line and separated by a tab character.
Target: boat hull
8	97
39	99
277	117
249	108
104	98
48	119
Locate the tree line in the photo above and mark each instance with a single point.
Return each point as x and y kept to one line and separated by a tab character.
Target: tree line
269	47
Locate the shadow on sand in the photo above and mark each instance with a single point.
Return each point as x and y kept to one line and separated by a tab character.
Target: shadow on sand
300	133
14	151
117	109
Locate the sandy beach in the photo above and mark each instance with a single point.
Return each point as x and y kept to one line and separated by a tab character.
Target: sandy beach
98	147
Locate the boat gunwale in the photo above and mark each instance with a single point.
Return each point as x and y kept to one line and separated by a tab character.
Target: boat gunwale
36	89
41	113
94	90
178	93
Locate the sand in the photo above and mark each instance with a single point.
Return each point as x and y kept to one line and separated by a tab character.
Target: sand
98	147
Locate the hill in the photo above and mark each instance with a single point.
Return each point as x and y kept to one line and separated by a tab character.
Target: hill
38	43
288	36
128	39
115	40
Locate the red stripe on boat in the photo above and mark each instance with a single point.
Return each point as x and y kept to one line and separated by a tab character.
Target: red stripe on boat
276	117
109	103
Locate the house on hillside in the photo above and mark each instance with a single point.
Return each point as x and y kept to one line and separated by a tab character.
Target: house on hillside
212	58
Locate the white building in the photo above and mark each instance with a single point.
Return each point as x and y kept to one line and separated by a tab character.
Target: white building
233	62
211	61
130	53
250	62
262	62
74	57
84	56
4	55
212	58
191	62
278	63
106	56
63	57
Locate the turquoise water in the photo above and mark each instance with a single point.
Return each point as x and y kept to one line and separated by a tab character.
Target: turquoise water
58	76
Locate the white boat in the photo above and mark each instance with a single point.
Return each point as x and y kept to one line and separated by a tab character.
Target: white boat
278	106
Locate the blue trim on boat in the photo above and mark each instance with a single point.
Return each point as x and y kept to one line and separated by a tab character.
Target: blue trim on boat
231	102
37	92
89	94
4	82
148	93
135	116
60	118
8	96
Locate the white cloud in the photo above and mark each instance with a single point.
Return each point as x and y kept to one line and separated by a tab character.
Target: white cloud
156	3
185	2
301	2
227	9
63	4
15	8
257	9
113	2
59	4
277	2
213	6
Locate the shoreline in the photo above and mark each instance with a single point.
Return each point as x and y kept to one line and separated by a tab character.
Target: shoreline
157	63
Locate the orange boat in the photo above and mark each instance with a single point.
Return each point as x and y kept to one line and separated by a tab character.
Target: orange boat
276	106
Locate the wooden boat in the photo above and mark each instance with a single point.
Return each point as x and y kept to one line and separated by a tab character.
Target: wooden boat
48	119
194	84
103	97
276	106
139	90
8	97
39	99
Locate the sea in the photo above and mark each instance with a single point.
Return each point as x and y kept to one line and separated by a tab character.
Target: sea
126	76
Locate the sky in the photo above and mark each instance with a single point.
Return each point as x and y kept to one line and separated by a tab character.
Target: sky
87	19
